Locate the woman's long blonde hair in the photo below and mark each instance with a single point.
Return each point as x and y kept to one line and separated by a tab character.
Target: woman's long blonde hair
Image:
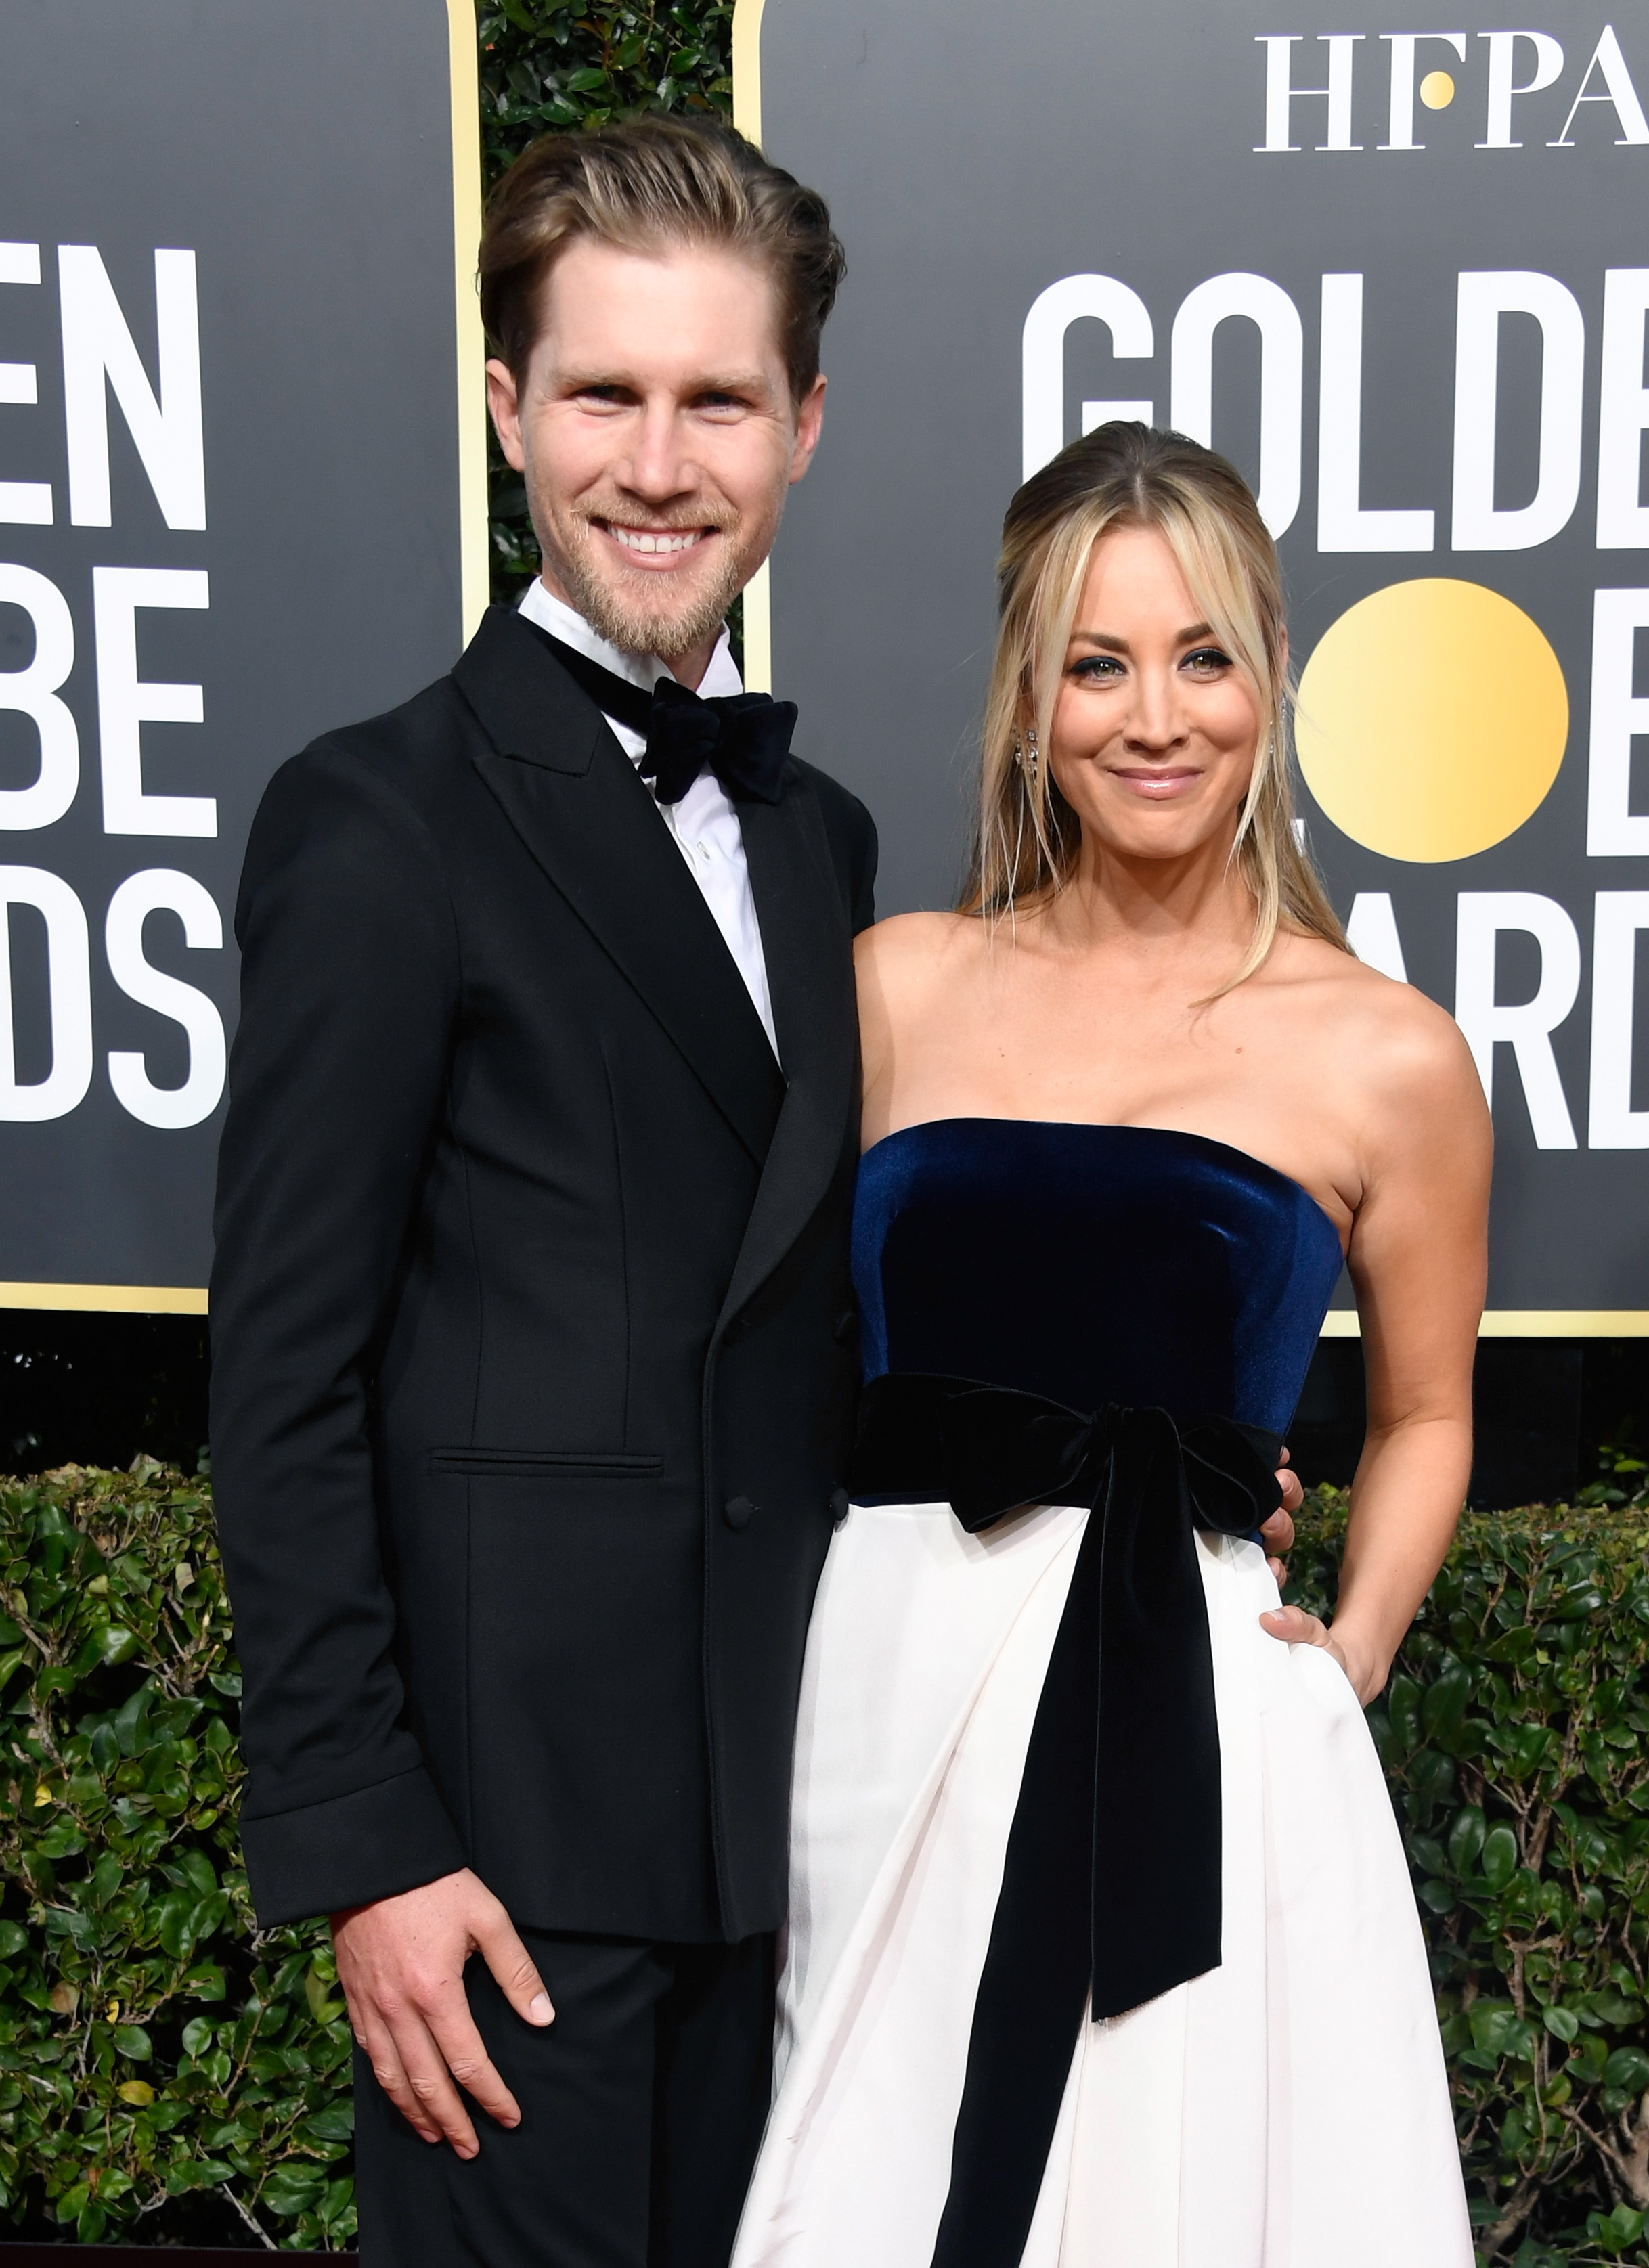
1129	475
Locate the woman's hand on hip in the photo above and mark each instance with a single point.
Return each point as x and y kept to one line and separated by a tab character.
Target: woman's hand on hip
1294	1626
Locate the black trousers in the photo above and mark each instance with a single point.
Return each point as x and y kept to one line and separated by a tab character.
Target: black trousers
642	2108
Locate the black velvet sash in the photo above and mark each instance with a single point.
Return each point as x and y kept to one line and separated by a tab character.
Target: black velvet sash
1111	1887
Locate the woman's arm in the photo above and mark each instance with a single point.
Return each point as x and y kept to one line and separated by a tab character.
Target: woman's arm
1418	1259
875	1034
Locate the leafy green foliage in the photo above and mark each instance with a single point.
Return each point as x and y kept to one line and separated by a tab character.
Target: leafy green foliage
1515	1735
550	66
166	2073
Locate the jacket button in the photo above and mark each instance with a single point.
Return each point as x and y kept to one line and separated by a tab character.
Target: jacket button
838	1506
738	1512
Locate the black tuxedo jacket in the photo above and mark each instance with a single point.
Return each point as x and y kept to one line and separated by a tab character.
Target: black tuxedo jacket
534	1352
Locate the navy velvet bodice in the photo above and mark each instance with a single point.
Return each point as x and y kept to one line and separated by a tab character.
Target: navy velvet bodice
1092	1264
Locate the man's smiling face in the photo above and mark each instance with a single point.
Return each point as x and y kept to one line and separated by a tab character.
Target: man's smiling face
657	433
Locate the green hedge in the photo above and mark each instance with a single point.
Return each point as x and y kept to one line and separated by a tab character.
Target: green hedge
166	2073
169	2075
1514	1734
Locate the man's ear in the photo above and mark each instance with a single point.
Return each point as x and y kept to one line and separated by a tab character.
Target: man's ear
504	405
809	420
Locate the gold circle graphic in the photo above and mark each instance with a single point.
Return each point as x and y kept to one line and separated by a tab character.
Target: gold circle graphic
1432	719
1437	90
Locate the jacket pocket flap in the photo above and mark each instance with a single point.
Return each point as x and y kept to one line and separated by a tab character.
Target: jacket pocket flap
539	1463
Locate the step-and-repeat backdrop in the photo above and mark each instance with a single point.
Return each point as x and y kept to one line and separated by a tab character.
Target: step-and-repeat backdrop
241	475
1400	276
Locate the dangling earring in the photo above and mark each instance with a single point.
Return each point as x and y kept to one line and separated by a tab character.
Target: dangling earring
1027	755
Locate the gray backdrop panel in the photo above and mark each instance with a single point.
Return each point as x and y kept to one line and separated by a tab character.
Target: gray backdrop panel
971	158
304	152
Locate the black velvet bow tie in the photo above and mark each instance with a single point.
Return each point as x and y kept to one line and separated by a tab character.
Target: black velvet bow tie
743	737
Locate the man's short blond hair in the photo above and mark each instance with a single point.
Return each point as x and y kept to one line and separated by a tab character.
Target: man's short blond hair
644	185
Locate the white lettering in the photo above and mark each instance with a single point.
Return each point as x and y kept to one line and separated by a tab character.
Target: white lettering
1622	519
1042	366
165	426
126	703
1401	133
1371	931
33	691
69	978
157	889
1613	830
1526	1026
1342	525
1503	86
1280	92
1281	363
1617	90
1620	917
26	504
1484	297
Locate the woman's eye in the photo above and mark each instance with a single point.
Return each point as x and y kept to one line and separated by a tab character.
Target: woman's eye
1207	661
1095	668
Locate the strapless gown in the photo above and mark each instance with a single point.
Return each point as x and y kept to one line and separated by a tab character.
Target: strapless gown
1287	2108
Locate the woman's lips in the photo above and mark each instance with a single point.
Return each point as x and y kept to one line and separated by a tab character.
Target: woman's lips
1157	786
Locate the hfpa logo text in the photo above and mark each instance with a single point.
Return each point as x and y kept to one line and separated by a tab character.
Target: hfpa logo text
1516	67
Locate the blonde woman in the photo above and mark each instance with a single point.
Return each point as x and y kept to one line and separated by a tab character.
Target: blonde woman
1102	1949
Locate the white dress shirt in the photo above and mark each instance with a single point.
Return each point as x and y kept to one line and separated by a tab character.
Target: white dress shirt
704	823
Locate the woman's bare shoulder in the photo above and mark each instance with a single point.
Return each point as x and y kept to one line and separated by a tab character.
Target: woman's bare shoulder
908	951
1389	1043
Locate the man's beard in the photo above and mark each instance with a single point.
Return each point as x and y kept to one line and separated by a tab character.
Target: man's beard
635	621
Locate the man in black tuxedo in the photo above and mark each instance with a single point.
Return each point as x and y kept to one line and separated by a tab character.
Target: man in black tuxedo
534	1358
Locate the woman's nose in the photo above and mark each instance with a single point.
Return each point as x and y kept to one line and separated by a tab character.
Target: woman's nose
1155	721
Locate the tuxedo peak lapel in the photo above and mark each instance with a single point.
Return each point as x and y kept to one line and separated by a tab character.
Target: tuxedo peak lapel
579	805
528	704
808	949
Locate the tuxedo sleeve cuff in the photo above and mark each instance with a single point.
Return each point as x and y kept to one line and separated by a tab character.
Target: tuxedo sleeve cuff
349	1850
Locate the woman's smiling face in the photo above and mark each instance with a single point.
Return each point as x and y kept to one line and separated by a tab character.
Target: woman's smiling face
1156	728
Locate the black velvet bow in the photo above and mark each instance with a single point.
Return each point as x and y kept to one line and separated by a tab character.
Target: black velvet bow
743	737
1111	1885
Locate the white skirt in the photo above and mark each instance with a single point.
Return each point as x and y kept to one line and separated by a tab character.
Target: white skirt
1288	2109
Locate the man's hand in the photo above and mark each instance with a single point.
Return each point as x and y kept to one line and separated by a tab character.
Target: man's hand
400	1962
1278	1530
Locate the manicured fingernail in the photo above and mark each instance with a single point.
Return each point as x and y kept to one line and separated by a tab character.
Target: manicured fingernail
541	2012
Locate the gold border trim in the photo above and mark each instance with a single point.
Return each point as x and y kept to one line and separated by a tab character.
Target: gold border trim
1526	1323
109	1298
747	66
1339	1323
747	116
474	575
758	631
